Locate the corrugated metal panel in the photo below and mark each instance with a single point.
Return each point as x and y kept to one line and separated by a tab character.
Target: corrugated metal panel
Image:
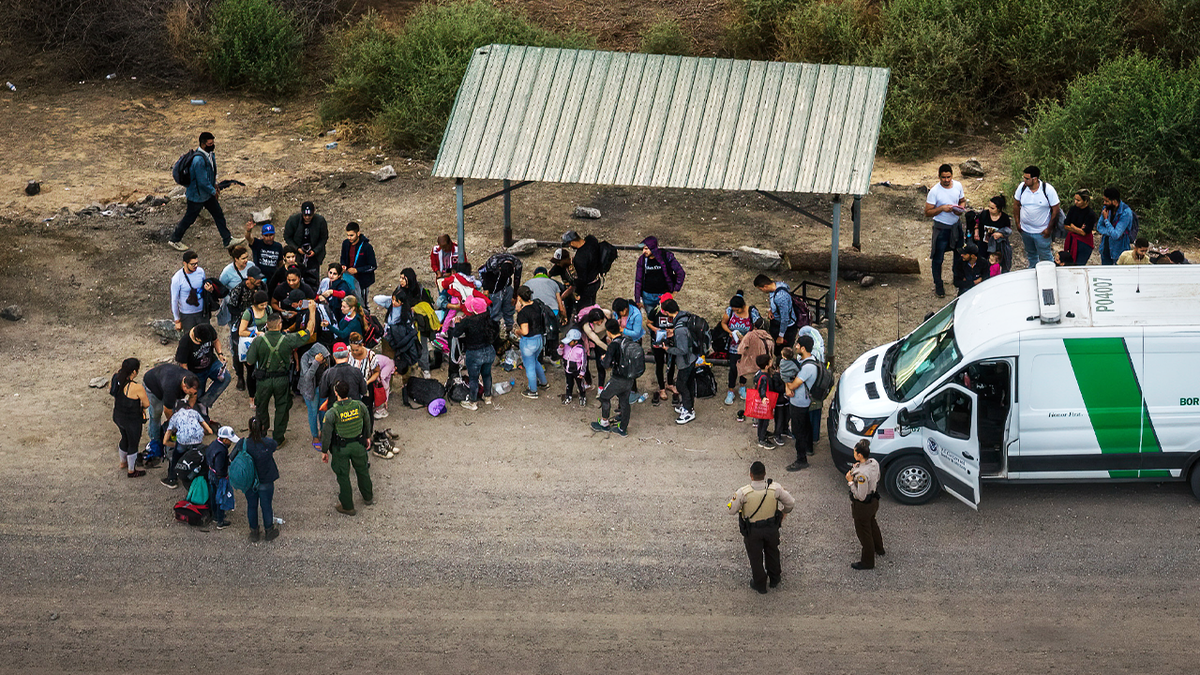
612	118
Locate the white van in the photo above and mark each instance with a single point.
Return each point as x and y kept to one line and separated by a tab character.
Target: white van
1050	375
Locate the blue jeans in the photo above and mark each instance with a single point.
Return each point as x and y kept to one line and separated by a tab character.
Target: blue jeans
531	350
650	300
814	418
156	412
219	376
260	496
479	363
1037	248
314	416
502	307
942	237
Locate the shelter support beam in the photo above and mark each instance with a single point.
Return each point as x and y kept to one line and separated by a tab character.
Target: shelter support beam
462	221
508	238
798	209
831	310
856	216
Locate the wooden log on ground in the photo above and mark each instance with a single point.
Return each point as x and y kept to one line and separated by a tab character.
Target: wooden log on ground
849	259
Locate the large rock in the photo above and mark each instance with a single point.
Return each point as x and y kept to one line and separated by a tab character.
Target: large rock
98	382
385	173
177	192
523	247
164	328
11	313
587	212
263	216
972	169
758	258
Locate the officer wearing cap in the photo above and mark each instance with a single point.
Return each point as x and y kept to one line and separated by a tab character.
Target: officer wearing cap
271	354
308	233
863	479
760	508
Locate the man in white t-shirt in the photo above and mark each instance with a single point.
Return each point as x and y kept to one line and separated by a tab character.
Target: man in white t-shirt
1035	208
945	204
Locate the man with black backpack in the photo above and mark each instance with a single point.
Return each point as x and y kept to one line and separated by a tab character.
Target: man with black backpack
626	360
687	335
592	260
781	311
197	169
800	378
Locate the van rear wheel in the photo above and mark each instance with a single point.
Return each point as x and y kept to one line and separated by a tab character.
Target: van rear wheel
1195	481
910	480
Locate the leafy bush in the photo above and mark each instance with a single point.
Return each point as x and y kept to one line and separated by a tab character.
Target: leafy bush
1133	123
665	37
254	43
405	83
956	62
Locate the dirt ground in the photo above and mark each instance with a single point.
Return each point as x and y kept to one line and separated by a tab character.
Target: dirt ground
511	539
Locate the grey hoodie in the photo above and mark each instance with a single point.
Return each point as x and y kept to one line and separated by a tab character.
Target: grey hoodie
681	346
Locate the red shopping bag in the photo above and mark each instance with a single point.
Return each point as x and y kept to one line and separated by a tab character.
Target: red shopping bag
757	409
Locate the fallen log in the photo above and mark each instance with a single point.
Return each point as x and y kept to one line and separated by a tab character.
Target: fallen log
849	259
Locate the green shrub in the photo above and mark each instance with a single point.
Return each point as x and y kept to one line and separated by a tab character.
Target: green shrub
824	32
405	83
754	31
1133	123
254	43
665	37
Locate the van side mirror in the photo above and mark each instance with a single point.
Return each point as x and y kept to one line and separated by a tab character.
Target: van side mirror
904	418
917	417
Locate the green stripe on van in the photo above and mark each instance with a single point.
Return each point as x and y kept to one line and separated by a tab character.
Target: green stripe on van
1113	397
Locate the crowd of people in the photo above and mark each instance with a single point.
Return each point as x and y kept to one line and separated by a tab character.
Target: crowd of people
980	240
289	322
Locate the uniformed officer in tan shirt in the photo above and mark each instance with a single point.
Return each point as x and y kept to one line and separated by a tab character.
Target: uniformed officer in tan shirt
863	479
757	506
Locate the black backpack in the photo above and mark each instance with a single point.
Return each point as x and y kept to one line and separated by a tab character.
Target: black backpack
633	360
182	171
549	323
190	466
424	391
701	335
705	382
824	382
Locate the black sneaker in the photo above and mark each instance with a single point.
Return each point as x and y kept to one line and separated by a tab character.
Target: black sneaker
810	453
779	441
529	393
797	466
255	535
741	416
170	483
619	430
272	533
596	426
939	291
766	445
222	524
773	582
761	589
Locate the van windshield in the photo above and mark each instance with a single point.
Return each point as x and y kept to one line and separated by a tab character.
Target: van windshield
925	355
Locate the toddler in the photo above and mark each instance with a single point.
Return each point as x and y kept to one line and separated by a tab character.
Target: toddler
574	359
994	270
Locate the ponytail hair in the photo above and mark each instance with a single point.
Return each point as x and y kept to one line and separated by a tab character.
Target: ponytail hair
128	367
256	430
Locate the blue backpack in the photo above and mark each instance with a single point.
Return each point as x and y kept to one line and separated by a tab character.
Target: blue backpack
242	473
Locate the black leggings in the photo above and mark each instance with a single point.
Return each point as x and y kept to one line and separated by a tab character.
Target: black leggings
131	435
601	373
661	359
733	369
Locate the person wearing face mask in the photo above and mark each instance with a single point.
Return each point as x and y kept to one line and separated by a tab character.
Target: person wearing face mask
203	193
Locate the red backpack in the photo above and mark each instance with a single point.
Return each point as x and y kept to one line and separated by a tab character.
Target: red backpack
192	514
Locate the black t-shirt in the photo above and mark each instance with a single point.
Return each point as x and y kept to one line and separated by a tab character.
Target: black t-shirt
165	382
282	291
1084	219
267	256
659	319
532	315
654	279
197	357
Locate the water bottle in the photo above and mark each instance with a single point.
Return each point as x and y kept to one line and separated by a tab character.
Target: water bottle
330	146
502	388
198	101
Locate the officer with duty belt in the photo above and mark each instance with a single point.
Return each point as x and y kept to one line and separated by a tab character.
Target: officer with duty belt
346	436
760	507
271	354
863	479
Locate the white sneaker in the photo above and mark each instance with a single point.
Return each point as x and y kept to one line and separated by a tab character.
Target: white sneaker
381	413
685	417
177	245
425	374
469	405
236	242
487	400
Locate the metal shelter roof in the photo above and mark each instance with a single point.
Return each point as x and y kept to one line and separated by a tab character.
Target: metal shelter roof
616	118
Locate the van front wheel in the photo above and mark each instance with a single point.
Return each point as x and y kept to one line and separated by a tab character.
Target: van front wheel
910	480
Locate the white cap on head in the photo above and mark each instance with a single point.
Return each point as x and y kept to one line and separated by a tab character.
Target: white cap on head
226	433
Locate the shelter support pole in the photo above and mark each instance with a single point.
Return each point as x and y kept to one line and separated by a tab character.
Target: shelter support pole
856	216
833	279
508	238
462	221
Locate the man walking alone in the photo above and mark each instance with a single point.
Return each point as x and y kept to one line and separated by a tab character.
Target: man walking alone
203	193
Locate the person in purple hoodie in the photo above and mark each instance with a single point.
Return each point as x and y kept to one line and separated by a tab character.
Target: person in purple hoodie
658	272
